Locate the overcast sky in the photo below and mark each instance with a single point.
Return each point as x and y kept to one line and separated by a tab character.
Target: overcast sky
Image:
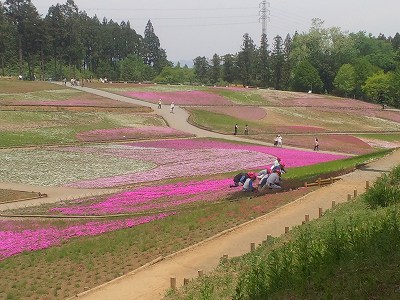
189	28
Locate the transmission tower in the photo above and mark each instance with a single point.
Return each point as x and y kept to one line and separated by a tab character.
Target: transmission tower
264	15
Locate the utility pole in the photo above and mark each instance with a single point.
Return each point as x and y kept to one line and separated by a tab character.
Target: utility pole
264	15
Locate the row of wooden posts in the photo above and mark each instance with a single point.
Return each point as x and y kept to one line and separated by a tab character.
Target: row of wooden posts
320	181
264	242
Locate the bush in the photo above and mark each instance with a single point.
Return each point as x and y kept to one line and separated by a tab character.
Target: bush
386	190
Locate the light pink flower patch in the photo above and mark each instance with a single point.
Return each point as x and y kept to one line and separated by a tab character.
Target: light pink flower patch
13	240
301	129
130	133
181	97
335	102
157	197
242	112
71	103
183	158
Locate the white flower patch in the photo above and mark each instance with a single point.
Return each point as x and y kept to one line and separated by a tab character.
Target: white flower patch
52	167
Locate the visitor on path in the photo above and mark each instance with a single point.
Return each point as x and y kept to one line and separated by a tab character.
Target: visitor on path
159	104
316	144
65	81
236	129
246	130
248	184
276	141
172	107
279	138
239	179
274	180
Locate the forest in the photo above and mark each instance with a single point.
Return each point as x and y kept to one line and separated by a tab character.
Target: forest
67	43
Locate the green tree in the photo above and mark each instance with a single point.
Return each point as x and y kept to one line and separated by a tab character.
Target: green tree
378	87
277	61
263	64
228	68
306	77
246	60
25	17
201	69
345	80
133	68
153	54
215	69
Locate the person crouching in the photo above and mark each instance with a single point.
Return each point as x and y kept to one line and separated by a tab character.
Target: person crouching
239	179
274	180
248	184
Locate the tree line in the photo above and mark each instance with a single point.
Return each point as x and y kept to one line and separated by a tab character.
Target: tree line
68	43
322	60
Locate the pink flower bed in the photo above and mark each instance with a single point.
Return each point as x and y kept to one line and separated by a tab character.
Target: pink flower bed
181	97
130	133
13	240
156	197
331	142
71	103
242	112
317	100
185	158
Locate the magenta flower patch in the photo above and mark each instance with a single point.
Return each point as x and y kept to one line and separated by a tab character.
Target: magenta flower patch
13	240
156	197
181	97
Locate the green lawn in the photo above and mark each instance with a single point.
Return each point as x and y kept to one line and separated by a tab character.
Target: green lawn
21	128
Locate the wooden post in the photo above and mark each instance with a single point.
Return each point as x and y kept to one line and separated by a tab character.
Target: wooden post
307	218
252	247
348	197
305	184
320	211
173	283
286	229
200	272
185	281
367	185
333	204
355	193
331	179
319	181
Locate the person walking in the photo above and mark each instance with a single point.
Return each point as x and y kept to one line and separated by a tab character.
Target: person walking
159	104
279	138
316	144
236	129
246	130
172	107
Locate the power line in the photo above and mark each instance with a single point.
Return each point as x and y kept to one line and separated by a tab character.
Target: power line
264	15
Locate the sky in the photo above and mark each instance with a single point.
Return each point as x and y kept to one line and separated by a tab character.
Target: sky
189	28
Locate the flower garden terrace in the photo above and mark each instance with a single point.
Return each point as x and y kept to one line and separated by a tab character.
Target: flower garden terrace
194	168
